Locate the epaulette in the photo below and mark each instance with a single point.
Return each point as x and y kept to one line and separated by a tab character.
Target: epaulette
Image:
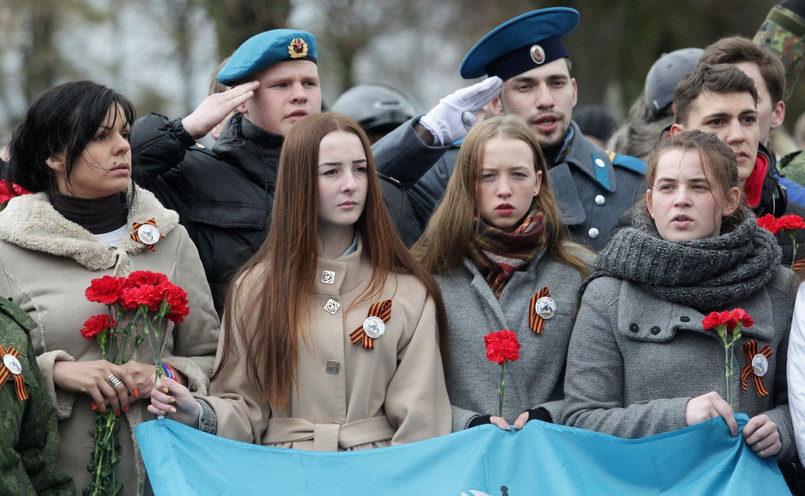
198	147
17	314
628	162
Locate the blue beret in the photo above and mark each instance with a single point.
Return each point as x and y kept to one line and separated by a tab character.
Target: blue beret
521	44
266	49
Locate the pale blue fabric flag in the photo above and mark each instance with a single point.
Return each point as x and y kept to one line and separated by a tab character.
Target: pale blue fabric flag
540	459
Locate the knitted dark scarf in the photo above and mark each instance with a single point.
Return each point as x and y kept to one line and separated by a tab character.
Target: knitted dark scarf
704	274
497	253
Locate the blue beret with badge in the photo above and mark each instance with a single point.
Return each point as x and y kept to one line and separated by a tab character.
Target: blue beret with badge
266	49
521	44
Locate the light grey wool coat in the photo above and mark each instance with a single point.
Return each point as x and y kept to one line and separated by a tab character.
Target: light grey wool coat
473	311
635	360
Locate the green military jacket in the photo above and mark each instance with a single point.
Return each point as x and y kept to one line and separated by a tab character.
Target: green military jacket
29	436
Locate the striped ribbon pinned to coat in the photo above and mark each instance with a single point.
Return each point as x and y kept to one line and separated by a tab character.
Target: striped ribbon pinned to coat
136	234
19	381
750	350
535	322
381	310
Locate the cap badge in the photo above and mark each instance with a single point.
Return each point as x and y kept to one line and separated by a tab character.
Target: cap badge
757	365
373	327
537	54
298	48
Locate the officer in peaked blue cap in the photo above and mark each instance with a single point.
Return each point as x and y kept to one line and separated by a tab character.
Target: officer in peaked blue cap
593	187
525	42
266	49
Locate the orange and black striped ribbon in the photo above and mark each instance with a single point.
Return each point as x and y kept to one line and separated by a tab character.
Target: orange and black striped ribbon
19	382
535	322
381	309
136	237
799	265
750	350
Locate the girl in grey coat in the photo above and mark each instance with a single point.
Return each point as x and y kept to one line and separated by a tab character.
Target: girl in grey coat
503	261
640	361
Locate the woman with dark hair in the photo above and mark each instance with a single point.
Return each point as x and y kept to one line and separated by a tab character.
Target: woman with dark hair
72	151
640	360
331	331
503	260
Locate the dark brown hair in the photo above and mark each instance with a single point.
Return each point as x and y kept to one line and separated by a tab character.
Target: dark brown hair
737	49
717	159
719	78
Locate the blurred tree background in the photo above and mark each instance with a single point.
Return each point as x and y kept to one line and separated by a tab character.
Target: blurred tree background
160	53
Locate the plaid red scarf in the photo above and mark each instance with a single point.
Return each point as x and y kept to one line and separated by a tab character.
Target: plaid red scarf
498	254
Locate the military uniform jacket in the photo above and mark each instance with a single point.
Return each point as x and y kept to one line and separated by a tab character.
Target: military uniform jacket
28	432
46	264
347	397
535	379
635	360
592	187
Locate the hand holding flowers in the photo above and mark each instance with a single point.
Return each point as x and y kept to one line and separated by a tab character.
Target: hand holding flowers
137	306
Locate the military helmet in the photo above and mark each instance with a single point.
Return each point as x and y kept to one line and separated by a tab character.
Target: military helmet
376	107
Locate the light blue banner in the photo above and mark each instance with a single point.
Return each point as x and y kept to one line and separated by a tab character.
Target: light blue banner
541	459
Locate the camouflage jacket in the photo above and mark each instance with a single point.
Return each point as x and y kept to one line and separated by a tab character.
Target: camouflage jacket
782	32
29	436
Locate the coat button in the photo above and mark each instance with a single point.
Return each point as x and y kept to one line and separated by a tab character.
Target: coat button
634	327
593	232
600	163
655	330
684	318
600	200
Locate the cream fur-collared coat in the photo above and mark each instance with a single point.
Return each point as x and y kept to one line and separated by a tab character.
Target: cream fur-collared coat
347	397
46	264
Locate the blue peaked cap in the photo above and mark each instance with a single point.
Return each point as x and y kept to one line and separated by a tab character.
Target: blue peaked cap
266	49
523	43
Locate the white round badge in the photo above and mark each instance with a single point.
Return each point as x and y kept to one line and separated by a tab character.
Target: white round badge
148	234
545	307
537	54
760	364
12	364
374	327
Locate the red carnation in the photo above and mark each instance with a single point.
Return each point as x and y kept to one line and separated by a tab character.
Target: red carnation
106	290
502	346
790	222
178	304
728	323
133	297
19	189
768	222
6	191
145	278
97	324
730	318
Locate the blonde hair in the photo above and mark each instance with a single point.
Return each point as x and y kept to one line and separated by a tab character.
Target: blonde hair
454	226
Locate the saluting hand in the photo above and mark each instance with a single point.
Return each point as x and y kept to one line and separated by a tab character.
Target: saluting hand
216	107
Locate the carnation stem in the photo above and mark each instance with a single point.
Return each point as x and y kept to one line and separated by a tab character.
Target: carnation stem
794	246
501	388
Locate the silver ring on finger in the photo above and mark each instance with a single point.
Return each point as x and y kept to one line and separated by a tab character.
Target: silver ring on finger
114	381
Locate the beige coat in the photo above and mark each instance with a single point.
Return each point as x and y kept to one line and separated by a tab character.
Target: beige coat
392	394
46	264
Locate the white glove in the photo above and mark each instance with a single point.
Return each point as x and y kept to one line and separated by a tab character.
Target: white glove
453	116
